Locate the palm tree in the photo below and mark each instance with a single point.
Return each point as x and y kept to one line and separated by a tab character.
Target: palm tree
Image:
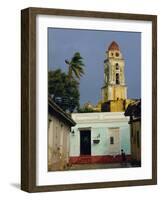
75	66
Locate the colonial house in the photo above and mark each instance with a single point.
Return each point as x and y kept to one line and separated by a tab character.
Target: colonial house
134	111
99	137
59	125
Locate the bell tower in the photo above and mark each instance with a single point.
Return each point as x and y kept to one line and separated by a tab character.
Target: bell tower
114	79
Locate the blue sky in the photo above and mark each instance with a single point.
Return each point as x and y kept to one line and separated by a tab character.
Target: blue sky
92	45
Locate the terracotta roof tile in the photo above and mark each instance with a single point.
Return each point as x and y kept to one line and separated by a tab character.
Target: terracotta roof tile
113	46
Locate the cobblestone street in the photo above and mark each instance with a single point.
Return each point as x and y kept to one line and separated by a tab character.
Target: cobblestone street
100	166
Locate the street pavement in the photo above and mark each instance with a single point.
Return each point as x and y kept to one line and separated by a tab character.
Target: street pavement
100	166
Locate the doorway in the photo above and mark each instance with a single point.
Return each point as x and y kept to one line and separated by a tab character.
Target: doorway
85	142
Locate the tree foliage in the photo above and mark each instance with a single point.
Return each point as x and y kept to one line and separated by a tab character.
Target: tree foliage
85	110
64	88
64	91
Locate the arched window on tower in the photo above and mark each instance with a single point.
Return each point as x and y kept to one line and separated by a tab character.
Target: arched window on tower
117	78
117	54
117	66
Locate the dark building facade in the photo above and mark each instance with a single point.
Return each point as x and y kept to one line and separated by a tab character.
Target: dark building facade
134	111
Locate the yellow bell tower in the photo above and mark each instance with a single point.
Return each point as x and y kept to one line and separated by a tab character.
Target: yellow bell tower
114	79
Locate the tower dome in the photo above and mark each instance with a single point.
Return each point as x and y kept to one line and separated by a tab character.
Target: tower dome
113	46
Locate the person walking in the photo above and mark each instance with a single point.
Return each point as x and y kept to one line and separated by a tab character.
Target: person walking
123	155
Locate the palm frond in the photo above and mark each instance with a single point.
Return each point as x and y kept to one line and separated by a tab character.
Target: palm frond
75	66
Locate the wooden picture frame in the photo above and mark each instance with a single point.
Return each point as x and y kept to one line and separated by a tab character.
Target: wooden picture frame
28	98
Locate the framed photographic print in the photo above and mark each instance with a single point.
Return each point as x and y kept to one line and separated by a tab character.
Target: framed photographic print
89	99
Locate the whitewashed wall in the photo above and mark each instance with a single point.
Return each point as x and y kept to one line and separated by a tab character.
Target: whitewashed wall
99	123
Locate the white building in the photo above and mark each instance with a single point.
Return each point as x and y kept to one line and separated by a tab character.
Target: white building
99	137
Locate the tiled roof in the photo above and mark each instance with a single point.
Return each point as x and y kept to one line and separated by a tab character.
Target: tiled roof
57	111
113	46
